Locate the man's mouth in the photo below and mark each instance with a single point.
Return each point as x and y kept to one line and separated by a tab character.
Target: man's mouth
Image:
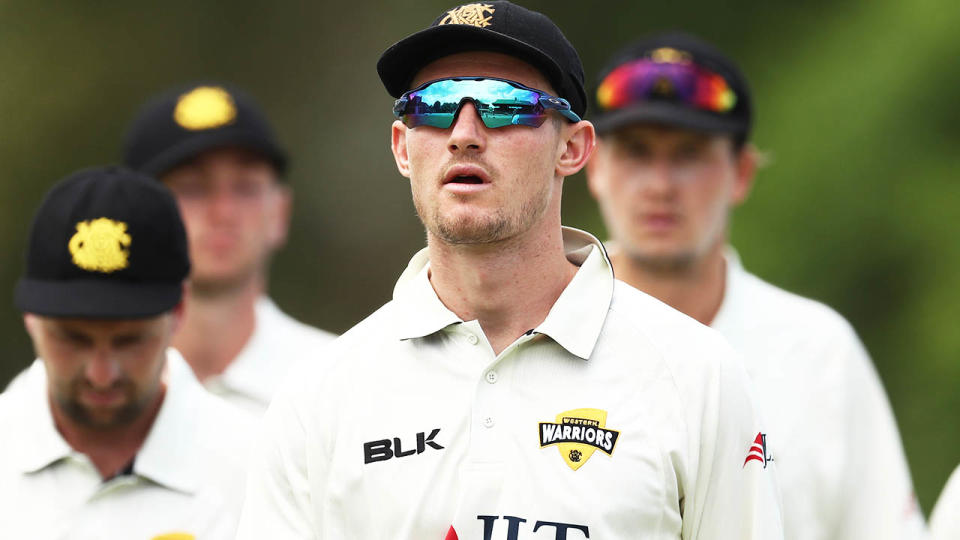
465	179
466	175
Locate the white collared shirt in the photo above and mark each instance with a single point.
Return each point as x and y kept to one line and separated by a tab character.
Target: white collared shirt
277	344
945	518
187	478
842	468
616	418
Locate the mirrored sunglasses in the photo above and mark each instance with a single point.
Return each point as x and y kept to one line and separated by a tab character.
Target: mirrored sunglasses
647	79
500	103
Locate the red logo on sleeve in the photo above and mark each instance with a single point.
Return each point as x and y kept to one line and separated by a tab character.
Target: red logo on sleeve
758	451
451	534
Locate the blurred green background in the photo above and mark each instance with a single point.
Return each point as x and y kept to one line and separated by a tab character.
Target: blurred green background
857	105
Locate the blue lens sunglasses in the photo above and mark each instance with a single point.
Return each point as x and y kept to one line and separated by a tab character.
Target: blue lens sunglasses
500	103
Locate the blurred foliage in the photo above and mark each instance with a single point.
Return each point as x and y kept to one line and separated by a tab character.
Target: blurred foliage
856	104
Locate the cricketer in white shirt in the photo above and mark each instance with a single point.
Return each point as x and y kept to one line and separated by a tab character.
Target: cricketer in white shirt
186	482
945	518
842	468
278	342
617	417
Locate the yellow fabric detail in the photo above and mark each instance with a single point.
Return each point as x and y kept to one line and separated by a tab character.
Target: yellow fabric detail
470	14
205	107
101	245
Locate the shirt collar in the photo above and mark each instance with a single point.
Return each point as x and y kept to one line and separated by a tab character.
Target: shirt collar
167	456
244	375
733	272
423	312
574	321
42	445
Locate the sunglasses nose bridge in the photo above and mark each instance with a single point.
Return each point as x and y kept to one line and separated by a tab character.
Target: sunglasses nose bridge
463	101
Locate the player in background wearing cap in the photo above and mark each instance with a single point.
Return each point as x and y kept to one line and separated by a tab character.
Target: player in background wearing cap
673	159
213	147
945	518
108	435
512	389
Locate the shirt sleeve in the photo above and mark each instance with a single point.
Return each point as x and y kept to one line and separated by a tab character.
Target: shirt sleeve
735	492
877	497
278	497
945	519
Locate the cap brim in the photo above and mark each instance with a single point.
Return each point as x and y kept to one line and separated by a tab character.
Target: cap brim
198	143
401	62
669	114
96	298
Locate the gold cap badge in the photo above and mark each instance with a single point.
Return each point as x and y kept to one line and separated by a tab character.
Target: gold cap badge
101	245
175	536
205	107
471	14
668	55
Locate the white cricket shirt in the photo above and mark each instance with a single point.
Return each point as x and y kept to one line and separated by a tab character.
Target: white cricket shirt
616	418
187	478
278	342
842	469
945	518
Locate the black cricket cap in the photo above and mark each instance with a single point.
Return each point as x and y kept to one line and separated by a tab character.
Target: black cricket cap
664	109
184	122
105	243
496	26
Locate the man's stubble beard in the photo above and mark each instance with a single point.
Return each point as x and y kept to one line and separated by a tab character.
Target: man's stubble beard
123	416
215	287
665	265
465	230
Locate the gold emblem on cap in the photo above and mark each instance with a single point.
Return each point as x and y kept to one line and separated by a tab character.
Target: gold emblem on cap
101	245
667	55
175	536
205	107
471	14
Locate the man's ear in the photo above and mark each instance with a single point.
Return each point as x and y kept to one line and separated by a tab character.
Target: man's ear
746	164
577	144
30	323
282	208
176	314
595	173
398	144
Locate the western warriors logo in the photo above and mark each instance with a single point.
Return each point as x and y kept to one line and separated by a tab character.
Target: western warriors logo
758	451
577	434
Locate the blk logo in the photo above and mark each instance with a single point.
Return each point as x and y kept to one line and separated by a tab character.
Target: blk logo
385	449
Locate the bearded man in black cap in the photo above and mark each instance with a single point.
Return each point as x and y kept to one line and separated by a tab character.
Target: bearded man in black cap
512	388
673	159
108	435
214	148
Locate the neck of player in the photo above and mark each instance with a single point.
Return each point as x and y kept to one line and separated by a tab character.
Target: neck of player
697	290
216	327
507	286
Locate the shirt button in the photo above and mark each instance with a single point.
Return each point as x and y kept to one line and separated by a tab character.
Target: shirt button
492	377
473	339
488	422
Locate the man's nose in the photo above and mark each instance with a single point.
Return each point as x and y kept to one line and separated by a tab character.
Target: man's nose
102	370
467	131
658	177
223	203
